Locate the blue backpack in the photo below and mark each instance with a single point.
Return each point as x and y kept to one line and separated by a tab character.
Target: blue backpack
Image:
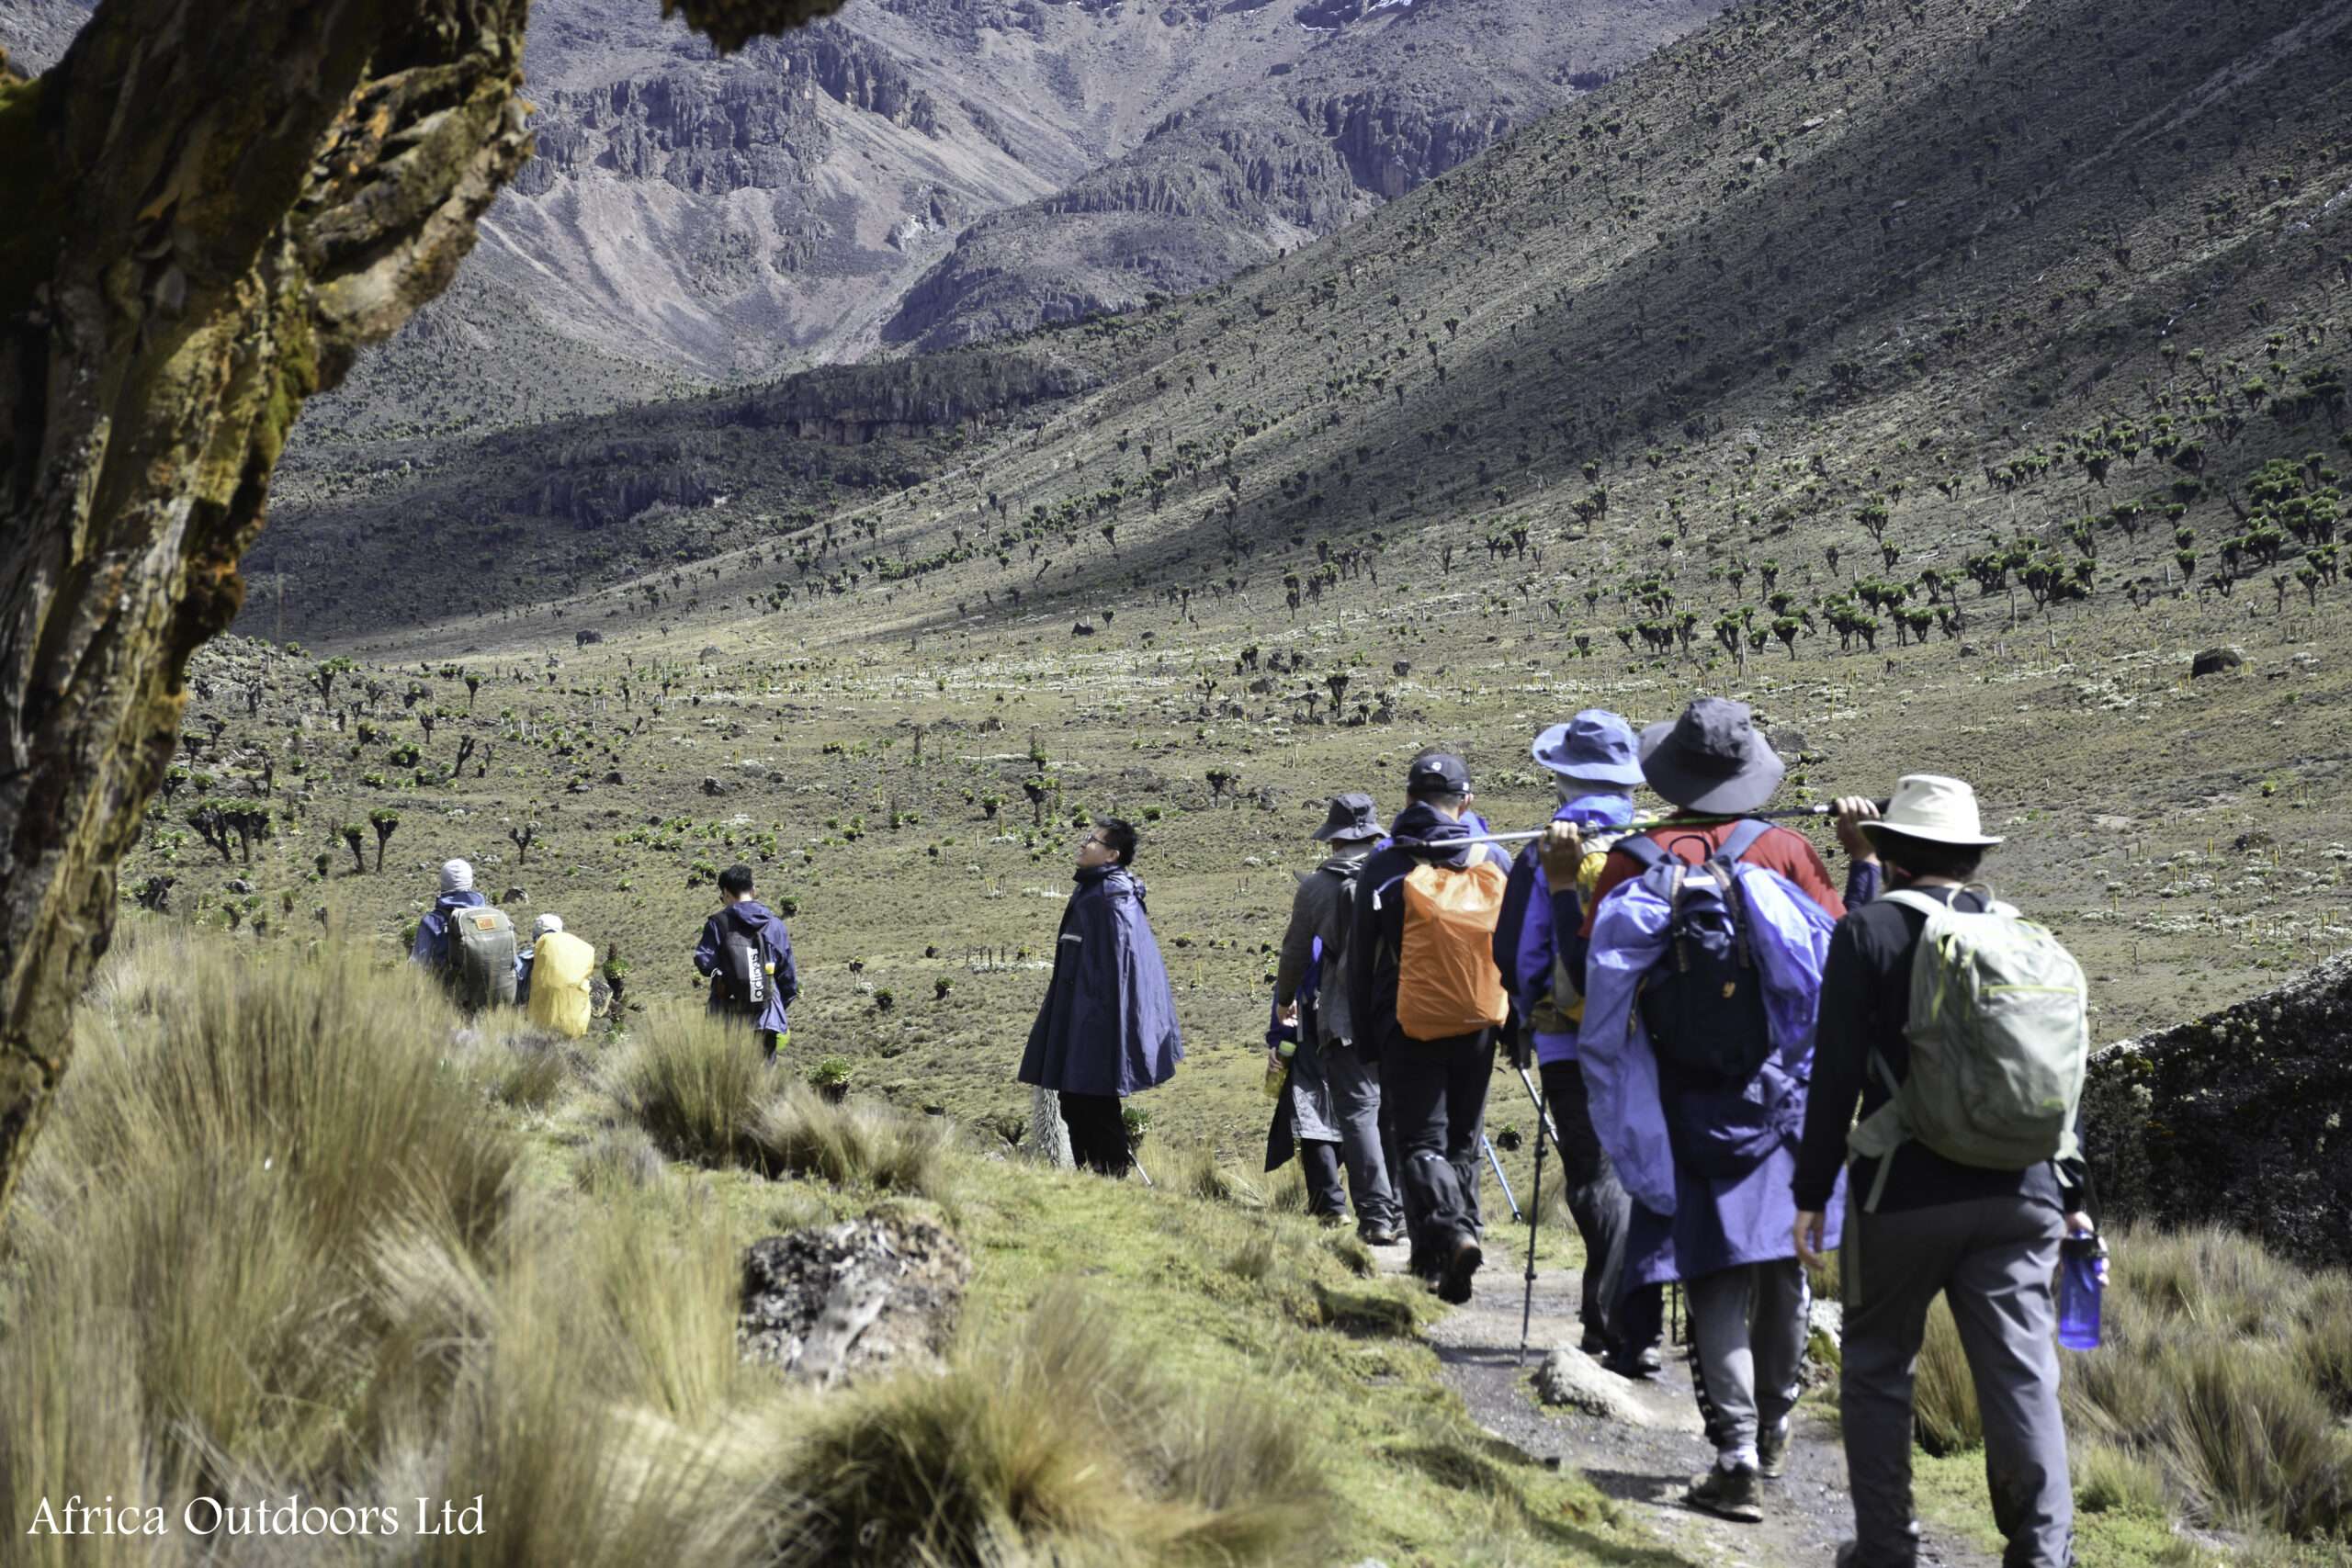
1703	1001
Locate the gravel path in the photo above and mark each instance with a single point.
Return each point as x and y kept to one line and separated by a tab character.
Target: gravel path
1645	1466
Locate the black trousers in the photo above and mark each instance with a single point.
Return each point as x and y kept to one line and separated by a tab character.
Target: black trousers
1434	1093
1601	1211
1325	1194
1098	1134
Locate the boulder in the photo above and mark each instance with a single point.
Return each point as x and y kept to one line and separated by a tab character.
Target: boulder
2235	1120
2216	661
712	786
834	1303
1569	1377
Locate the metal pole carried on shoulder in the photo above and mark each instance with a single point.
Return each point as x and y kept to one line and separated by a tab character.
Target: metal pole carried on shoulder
1798	814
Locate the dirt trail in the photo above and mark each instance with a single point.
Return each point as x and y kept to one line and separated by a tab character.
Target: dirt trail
1646	1467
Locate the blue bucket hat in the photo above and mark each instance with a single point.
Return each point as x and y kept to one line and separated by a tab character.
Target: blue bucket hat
1596	744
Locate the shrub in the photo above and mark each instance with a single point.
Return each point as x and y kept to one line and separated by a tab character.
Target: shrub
875	1145
694	1084
1059	1443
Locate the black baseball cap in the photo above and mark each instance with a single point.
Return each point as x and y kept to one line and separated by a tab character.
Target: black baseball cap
1437	773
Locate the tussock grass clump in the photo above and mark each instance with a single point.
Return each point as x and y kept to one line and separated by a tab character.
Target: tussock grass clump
620	1157
2222	1383
1061	1442
694	1084
851	1143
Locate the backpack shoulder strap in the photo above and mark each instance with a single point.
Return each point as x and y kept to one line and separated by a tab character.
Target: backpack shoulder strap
1919	903
1743	839
1647	852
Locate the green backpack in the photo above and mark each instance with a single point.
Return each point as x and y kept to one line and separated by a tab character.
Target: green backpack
2000	1038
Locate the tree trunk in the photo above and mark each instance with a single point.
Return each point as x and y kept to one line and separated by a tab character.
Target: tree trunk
211	206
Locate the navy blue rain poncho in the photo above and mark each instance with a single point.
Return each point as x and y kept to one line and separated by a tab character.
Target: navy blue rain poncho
1108	1024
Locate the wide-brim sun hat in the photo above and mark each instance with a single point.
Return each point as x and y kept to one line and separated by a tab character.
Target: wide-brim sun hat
1934	809
1596	744
1354	817
1711	759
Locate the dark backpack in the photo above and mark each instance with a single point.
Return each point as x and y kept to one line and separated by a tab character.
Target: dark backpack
1703	1001
742	972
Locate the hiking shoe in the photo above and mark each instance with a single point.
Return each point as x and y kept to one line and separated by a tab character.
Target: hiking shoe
1453	1280
1638	1365
1727	1493
1772	1450
1594	1343
1380	1235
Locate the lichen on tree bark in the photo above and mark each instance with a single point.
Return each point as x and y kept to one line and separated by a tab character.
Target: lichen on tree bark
213	206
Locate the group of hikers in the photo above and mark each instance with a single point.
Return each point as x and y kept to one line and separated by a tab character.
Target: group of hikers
1706	1013
744	951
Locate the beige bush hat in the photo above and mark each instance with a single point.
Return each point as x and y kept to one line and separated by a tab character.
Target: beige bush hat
1934	809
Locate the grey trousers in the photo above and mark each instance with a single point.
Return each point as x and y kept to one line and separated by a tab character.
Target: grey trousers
1747	1330
1993	1260
1355	1106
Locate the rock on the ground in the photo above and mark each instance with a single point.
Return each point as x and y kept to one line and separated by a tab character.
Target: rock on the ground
1824	1335
2215	661
1571	1377
837	1302
2237	1118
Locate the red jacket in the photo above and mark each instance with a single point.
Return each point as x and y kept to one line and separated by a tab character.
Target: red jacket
1791	854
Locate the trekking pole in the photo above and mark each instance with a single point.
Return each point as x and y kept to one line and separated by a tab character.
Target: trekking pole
1534	1208
1542	1116
1139	1169
1493	1159
1795	813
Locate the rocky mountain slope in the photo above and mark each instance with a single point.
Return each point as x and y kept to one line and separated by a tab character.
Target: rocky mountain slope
934	172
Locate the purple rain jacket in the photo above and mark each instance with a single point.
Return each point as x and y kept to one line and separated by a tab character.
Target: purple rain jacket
1687	1223
1523	936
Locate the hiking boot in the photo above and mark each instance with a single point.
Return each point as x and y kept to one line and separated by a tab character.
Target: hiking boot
1637	1365
1453	1280
1727	1493
1380	1235
1772	1450
1594	1343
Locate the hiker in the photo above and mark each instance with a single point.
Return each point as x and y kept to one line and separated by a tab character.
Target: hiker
431	947
1425	1000
554	978
1594	769
1707	939
1984	1230
1331	1103
747	954
1107	1027
466	944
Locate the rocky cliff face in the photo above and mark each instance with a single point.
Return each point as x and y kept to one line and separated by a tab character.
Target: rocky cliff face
1392	97
2238	1118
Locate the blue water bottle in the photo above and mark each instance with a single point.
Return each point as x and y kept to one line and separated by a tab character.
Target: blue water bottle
2082	1275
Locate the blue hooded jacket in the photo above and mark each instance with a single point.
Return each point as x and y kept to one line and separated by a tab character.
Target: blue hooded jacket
1108	1022
775	945
431	945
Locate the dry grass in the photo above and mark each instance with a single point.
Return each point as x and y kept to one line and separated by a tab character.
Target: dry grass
695	1085
2221	1388
1059	1444
852	1144
195	1301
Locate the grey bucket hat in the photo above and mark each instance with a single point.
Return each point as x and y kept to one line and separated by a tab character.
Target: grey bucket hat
1711	759
1352	817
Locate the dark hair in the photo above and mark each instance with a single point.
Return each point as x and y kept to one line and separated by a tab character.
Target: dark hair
736	879
1923	857
1119	834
